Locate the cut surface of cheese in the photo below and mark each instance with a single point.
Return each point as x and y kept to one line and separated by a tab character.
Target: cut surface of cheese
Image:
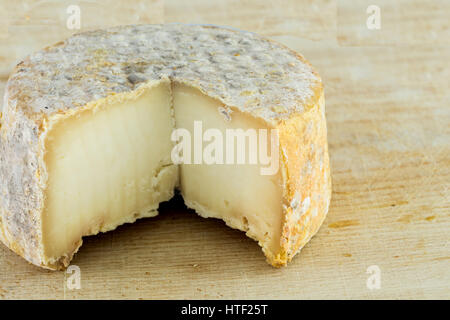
87	138
107	165
231	192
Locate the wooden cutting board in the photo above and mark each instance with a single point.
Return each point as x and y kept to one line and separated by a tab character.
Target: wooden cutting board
388	111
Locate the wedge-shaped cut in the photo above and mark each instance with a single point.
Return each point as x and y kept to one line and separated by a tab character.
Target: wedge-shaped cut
237	193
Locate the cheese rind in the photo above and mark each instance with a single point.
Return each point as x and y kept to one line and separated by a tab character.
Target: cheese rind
256	77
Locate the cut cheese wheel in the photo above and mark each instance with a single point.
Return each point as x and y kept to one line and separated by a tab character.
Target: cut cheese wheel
87	138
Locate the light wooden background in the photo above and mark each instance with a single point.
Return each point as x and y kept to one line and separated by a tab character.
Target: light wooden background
388	111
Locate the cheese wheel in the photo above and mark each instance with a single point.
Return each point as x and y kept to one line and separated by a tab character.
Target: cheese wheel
86	137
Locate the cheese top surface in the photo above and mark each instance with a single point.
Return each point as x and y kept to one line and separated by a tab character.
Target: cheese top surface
241	69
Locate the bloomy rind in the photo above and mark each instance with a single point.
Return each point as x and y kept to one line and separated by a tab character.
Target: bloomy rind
21	193
306	175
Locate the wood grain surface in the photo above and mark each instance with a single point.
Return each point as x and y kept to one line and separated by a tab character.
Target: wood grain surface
388	111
